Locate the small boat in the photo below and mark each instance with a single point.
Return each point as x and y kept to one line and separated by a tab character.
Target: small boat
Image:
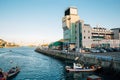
94	77
79	68
3	76
13	71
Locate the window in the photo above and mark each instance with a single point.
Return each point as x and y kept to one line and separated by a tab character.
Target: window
89	37
75	37
84	37
88	31
84	31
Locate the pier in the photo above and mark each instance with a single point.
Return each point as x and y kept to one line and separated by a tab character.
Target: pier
109	60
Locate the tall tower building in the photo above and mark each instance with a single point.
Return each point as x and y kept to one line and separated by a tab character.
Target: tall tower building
68	24
76	33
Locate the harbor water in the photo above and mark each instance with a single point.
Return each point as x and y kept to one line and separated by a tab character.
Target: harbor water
35	66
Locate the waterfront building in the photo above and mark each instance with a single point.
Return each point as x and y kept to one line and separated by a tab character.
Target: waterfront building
116	32
68	25
101	37
79	35
83	35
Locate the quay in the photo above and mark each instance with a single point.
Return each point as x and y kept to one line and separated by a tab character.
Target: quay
108	60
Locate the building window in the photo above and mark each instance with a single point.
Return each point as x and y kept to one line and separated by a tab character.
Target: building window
88	31
75	31
84	31
89	37
75	37
84	37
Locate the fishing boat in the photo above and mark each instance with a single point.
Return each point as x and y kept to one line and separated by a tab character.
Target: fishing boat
79	68
13	72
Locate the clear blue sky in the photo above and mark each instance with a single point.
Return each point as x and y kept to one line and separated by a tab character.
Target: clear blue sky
41	20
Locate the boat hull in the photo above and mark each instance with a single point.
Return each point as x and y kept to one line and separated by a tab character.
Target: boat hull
80	70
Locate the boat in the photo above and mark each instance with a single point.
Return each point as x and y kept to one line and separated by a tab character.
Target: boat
94	77
2	75
3	78
79	68
10	74
13	72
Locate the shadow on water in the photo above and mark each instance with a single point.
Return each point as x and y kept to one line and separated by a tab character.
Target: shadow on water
108	74
78	75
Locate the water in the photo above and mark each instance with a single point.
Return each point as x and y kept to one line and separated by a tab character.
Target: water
35	66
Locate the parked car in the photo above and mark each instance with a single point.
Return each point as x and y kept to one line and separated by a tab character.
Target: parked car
102	50
116	49
93	50
86	49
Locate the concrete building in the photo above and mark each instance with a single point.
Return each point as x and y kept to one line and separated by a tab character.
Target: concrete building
79	35
68	25
86	36
116	32
83	35
101	33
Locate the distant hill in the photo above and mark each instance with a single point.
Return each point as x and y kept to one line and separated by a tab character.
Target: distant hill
4	43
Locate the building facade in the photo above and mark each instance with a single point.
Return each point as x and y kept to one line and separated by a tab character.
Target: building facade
68	25
79	35
116	32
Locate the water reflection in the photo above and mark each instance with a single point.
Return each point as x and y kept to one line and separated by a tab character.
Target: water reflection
78	75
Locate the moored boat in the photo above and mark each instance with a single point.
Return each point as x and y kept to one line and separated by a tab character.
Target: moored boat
79	68
13	71
3	78
2	75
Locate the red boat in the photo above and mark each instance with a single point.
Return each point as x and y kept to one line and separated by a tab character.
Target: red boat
93	77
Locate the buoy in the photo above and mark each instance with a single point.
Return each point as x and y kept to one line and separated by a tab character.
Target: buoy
11	61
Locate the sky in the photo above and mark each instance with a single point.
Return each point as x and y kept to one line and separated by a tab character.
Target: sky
40	21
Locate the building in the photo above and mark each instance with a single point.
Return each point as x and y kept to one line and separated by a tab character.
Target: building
83	35
101	37
116	32
68	25
79	35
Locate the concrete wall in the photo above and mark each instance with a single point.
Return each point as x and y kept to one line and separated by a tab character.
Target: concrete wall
104	61
86	36
116	33
113	43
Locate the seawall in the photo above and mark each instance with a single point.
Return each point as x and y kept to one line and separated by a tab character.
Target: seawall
104	60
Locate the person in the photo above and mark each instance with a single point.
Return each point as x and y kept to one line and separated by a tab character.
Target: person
2	76
92	67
